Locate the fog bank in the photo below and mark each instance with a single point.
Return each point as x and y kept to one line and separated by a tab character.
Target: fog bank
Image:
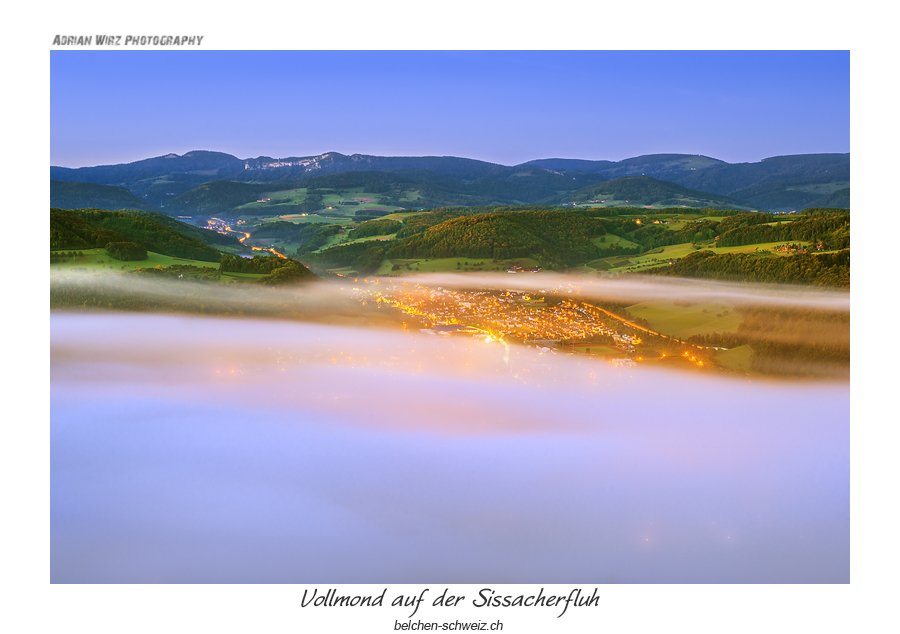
187	449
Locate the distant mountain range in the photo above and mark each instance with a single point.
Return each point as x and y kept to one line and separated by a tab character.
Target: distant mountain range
780	183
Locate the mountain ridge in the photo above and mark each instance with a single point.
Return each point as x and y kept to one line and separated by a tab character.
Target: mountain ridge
158	180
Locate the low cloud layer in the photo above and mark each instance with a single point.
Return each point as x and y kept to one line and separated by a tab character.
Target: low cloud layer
229	450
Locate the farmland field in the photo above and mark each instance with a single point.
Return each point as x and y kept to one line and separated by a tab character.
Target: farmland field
358	200
307	218
96	260
736	358
608	240
683	319
661	256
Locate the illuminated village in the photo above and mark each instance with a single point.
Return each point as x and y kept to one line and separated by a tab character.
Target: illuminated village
534	319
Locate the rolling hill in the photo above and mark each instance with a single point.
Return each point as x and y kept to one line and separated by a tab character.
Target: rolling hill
839	199
782	183
644	190
70	195
206	236
89	228
215	197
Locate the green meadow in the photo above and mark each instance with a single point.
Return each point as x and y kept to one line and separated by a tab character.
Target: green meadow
684	319
331	201
736	358
662	255
97	261
608	240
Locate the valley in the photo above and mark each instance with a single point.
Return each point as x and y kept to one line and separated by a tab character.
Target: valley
535	242
530	276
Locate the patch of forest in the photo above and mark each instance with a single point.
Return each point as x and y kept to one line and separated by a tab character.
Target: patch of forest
277	271
827	228
92	228
822	269
364	257
375	228
548	236
280	229
206	236
308	237
564	237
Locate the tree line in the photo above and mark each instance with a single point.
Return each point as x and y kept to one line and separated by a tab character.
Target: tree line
830	229
375	228
545	235
95	228
823	269
277	271
126	251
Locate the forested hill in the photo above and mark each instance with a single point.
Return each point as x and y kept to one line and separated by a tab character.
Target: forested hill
787	182
215	197
90	228
206	236
555	236
710	174
815	269
66	195
839	199
668	167
202	164
778	183
616	239
551	236
644	190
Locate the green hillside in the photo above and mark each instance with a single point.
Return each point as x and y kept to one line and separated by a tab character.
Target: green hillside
809	168
839	199
825	228
216	197
71	230
644	190
792	195
68	195
206	236
371	193
375	228
88	228
276	271
548	236
824	269
605	241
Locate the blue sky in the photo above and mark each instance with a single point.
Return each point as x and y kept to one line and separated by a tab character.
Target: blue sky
502	106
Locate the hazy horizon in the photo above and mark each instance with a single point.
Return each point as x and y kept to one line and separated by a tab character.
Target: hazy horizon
542	158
